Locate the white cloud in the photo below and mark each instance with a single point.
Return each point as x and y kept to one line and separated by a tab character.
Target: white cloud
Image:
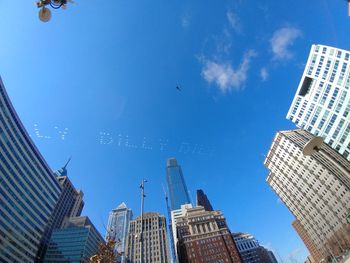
281	40
185	21
264	74
225	76
234	21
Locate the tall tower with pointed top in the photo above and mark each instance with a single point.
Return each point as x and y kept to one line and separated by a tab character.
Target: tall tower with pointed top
70	204
176	184
118	227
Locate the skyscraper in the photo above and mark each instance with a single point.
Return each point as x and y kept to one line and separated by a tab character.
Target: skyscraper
76	241
28	189
117	228
176	184
316	189
175	215
69	204
153	237
322	102
248	247
202	200
203	236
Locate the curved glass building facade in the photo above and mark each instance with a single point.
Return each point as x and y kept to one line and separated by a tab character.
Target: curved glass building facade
28	189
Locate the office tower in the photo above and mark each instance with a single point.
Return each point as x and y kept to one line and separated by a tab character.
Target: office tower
310	245
322	102
266	256
154	240
117	228
175	215
28	189
202	200
203	236
69	204
315	188
76	241
247	247
176	184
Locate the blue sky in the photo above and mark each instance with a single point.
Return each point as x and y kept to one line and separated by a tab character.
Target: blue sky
98	83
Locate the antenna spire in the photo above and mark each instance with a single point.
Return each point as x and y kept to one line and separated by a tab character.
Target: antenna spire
64	167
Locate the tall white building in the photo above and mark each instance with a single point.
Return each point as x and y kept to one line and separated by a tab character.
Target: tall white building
316	189
175	215
118	226
322	102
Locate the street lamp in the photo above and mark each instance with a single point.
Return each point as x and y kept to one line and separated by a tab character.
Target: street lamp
44	12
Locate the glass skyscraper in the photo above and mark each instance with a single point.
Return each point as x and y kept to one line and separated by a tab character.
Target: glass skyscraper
117	228
77	241
176	184
70	204
28	189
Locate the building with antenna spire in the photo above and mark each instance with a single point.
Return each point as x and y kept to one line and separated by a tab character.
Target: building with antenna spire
70	204
117	228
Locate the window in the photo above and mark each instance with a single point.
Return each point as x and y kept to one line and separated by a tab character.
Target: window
325	94
330	124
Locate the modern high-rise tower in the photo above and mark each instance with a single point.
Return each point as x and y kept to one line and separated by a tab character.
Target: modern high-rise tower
176	185
69	204
315	188
202	200
28	189
322	102
251	251
117	228
76	241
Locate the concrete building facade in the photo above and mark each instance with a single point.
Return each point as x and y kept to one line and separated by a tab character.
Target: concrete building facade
322	102
310	245
316	189
148	238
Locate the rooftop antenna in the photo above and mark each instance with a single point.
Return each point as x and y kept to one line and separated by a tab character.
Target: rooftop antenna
70	158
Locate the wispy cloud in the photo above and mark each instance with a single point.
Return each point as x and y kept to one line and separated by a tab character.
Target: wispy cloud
185	21
225	76
264	74
281	41
234	21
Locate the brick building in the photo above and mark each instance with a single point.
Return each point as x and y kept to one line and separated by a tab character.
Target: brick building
203	236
